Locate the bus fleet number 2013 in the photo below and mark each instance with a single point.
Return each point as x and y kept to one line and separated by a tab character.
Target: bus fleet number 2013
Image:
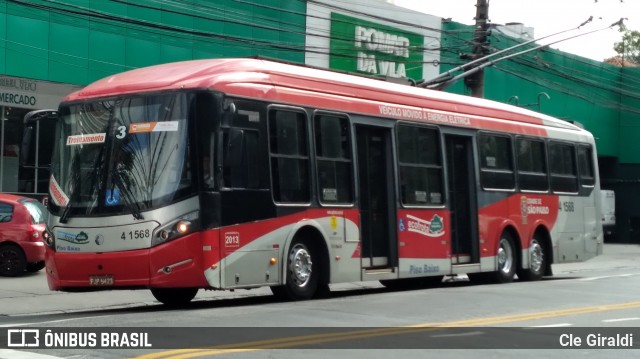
137	234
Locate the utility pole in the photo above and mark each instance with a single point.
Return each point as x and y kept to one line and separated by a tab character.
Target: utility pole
475	82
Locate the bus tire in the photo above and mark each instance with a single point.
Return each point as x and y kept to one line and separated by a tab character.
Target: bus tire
12	260
506	261
537	261
174	297
302	271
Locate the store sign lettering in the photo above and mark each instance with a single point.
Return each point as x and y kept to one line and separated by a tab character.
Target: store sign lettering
12	91
379	41
18	84
17	99
376	40
368	47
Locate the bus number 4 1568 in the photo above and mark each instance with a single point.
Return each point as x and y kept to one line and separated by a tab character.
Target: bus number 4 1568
137	234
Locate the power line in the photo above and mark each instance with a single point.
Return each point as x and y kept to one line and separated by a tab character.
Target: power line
456	43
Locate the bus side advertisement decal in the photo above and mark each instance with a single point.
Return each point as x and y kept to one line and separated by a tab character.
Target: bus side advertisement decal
432	228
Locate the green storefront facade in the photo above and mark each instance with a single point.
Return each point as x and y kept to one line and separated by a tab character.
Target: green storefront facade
50	48
604	98
80	41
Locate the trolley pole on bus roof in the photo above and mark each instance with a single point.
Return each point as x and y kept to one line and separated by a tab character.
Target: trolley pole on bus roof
475	82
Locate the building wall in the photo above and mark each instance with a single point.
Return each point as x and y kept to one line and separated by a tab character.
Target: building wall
74	42
602	97
373	38
578	89
52	48
80	41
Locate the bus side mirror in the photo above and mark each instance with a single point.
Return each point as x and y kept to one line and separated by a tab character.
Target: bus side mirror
235	147
32	121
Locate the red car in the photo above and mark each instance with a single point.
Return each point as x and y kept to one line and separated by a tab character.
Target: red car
22	222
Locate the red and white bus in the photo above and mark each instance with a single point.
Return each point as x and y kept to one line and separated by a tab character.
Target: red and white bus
240	173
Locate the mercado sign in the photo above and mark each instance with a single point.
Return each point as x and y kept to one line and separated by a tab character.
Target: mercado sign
32	94
367	47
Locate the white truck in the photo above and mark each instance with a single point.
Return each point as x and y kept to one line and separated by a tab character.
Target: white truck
608	213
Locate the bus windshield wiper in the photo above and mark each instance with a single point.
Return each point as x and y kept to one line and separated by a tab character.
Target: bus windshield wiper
65	212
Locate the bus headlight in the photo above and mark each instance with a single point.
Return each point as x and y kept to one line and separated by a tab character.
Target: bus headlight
175	229
183	226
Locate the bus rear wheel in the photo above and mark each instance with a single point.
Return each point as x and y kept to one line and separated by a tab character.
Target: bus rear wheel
302	271
537	262
174	297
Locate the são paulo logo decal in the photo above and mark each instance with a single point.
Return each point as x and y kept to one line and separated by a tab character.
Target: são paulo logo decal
432	228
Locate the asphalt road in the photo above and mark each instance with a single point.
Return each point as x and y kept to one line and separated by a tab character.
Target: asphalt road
600	293
30	295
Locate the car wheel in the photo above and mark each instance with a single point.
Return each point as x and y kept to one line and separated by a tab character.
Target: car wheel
174	297
12	260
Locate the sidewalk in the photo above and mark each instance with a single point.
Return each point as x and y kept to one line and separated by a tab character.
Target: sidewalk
614	255
30	294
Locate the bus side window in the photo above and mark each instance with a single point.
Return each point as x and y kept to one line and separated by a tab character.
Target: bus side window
420	166
585	164
532	165
333	153
289	152
562	166
496	162
240	156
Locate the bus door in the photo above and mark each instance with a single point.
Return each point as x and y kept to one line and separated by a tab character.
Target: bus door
462	199
376	197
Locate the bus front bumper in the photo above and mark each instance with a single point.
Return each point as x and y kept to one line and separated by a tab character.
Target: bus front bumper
174	264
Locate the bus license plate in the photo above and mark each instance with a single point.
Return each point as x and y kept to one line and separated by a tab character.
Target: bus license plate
101	280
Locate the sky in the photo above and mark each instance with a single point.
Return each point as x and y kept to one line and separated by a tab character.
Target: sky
548	17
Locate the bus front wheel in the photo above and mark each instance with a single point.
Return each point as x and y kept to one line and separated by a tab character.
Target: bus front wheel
302	271
174	297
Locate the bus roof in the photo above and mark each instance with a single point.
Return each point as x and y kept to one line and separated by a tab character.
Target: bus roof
302	85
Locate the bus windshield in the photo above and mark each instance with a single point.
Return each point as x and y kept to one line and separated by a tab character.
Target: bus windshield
123	155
